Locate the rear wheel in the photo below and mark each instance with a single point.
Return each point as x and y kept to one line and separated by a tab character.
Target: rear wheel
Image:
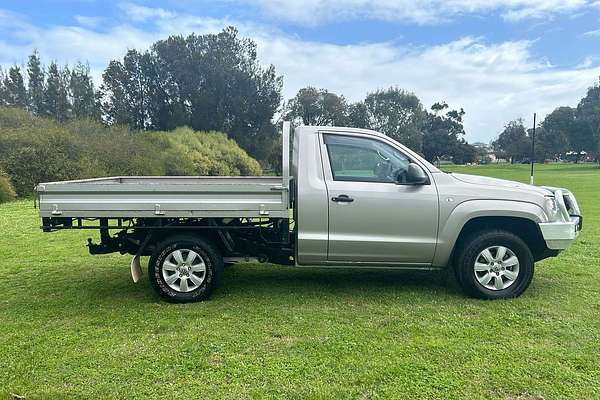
494	264
185	268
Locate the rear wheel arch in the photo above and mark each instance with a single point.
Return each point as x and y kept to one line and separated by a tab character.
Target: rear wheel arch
160	235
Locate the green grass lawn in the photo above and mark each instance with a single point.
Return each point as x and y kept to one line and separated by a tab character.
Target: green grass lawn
75	326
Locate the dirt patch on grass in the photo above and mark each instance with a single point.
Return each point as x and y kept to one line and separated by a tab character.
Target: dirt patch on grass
526	396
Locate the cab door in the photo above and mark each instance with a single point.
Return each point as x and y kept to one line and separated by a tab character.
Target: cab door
374	219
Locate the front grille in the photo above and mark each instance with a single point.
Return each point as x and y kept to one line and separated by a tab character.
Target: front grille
573	208
569	204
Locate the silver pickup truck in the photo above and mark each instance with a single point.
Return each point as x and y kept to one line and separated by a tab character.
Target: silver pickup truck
350	198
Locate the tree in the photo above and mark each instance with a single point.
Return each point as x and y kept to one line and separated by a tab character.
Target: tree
358	115
512	143
2	90
554	133
209	82
127	87
83	97
35	90
14	92
587	135
56	102
398	114
582	138
113	95
443	131
313	106
165	108
463	152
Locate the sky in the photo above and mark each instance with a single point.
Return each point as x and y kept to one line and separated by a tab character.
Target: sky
498	59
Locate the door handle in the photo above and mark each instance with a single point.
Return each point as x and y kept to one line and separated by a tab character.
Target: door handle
342	198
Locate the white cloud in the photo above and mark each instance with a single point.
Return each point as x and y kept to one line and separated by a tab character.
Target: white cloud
587	62
69	43
594	33
141	13
88	22
312	12
493	82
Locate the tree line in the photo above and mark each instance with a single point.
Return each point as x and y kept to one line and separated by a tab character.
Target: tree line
215	82
60	93
435	132
566	130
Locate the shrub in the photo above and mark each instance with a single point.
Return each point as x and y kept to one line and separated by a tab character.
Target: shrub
7	193
208	153
34	150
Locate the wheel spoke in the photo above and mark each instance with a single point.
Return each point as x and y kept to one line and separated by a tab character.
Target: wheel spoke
172	278
201	267
510	274
511	261
485	279
183	286
191	257
169	266
480	267
178	256
196	280
487	255
500	253
499	283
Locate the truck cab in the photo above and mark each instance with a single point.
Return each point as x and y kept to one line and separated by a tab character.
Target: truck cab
358	205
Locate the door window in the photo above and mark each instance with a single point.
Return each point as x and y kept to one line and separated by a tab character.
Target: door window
364	160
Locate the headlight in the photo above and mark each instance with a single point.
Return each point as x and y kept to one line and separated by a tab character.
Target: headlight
551	207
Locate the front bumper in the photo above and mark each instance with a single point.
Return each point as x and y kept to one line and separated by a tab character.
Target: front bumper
559	234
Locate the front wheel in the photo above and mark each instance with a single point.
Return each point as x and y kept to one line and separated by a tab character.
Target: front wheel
185	268
494	264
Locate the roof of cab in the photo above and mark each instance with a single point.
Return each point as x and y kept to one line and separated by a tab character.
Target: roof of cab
312	128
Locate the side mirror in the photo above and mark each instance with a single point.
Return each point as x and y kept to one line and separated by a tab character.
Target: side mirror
415	175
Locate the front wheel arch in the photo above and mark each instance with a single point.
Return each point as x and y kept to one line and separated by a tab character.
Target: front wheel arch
527	230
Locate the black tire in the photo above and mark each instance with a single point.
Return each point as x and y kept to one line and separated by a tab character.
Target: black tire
205	249
470	248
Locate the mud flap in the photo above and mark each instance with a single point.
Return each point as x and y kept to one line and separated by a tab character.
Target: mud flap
136	268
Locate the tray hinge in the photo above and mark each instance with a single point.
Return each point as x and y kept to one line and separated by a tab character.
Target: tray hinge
262	211
157	210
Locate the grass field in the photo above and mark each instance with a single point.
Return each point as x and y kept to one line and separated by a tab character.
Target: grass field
75	326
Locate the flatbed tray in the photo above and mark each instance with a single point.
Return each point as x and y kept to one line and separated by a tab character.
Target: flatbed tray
165	196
